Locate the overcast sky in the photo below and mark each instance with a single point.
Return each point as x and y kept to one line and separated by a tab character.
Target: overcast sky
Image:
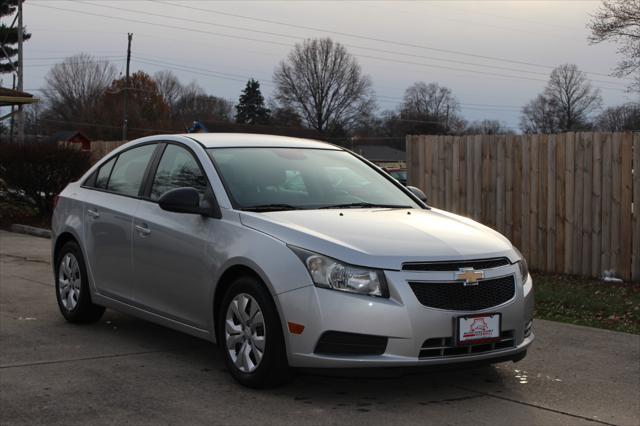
494	55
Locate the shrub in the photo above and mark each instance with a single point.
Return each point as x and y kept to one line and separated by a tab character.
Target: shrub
14	206
39	171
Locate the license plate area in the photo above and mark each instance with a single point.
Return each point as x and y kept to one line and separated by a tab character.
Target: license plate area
481	328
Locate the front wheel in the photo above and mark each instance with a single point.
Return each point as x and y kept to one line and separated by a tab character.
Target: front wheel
250	335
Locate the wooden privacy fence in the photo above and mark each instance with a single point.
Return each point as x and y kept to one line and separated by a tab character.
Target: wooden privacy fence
565	200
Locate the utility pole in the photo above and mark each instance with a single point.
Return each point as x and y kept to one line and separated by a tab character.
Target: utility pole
20	117
126	91
11	126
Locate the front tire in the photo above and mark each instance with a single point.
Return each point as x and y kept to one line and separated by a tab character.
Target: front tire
72	286
250	335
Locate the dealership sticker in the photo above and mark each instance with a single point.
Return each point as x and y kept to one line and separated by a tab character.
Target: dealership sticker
478	328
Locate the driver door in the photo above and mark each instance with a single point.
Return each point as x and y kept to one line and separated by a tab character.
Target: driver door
173	276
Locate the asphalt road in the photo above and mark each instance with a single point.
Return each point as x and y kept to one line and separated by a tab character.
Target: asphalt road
124	370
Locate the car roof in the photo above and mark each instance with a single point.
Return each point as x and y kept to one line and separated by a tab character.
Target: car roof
244	140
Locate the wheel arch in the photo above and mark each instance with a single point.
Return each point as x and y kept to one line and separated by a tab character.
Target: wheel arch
230	273
61	240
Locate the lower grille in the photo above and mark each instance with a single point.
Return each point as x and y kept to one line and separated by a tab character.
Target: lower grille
444	346
339	343
455	296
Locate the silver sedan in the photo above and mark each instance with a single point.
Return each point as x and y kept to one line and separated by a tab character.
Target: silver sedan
288	253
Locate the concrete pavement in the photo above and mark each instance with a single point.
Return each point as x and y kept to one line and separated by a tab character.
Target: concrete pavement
125	370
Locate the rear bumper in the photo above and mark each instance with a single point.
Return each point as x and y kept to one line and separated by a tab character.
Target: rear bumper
405	323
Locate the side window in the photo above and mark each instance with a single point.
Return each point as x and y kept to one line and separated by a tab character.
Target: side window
129	169
177	168
103	174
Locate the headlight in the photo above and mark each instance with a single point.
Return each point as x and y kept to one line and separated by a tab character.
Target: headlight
330	273
522	264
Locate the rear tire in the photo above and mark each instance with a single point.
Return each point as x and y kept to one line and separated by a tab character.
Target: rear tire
72	286
250	336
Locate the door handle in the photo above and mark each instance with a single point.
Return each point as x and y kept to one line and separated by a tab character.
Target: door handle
143	230
93	213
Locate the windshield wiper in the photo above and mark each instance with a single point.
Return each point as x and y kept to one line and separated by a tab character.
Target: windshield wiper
271	207
364	204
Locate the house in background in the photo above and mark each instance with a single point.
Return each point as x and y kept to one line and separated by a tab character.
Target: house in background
382	155
71	137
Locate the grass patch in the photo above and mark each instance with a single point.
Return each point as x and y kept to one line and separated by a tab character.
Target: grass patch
586	301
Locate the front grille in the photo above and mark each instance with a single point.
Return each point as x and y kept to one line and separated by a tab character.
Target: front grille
455	296
455	266
339	343
444	347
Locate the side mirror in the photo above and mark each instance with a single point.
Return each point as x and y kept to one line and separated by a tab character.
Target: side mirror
184	200
418	193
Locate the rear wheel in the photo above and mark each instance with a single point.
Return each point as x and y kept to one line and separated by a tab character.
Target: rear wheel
250	335
72	286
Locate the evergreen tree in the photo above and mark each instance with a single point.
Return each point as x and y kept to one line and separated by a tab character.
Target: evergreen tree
9	36
250	108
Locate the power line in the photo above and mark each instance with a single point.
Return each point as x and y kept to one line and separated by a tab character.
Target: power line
243	78
289	45
215	24
176	27
107	126
178	67
398	43
510	29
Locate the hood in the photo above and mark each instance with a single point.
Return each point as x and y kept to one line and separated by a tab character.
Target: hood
383	238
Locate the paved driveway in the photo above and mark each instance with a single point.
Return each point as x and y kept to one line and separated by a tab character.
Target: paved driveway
124	370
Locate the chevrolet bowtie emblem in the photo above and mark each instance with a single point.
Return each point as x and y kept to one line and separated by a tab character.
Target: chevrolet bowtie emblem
469	275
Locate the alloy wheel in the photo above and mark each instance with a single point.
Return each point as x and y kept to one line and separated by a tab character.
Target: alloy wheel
69	281
245	332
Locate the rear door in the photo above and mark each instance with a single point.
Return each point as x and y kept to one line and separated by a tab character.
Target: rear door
172	271
110	205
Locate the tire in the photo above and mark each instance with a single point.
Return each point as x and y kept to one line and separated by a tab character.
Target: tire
72	286
235	335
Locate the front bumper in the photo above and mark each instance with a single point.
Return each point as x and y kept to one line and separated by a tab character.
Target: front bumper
402	319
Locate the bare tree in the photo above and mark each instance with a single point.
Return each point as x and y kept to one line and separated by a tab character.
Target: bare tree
539	116
75	86
573	96
284	116
169	87
429	100
619	21
194	104
567	103
324	83
619	119
430	108
488	127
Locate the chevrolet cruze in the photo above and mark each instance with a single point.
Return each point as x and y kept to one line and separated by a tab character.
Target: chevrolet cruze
287	253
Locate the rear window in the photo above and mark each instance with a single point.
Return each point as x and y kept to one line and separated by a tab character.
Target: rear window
103	174
128	172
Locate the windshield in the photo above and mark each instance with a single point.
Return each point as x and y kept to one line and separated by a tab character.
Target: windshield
264	179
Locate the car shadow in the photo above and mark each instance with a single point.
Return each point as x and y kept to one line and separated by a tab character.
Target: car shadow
328	388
